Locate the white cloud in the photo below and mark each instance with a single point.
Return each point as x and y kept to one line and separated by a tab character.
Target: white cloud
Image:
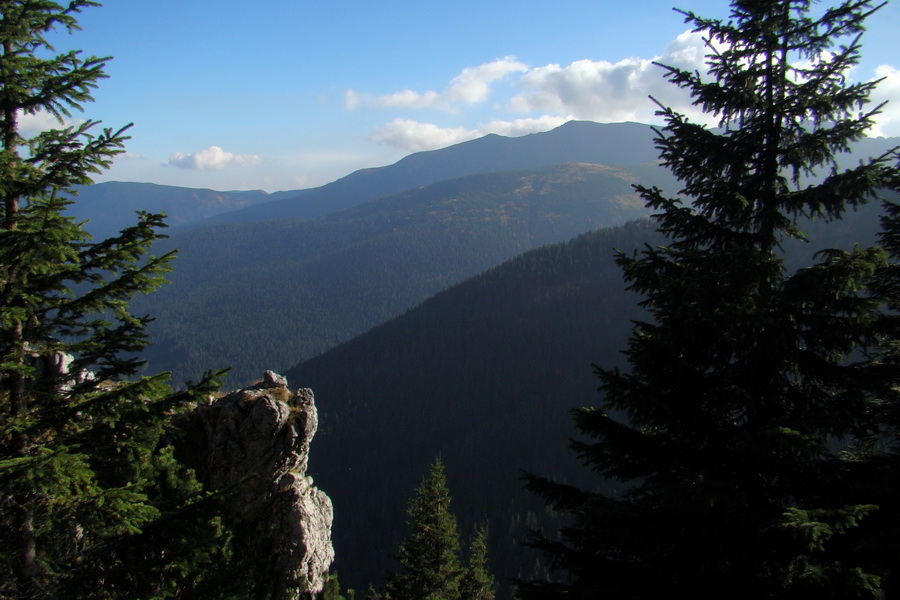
351	100
688	51
408	99
212	157
888	122
33	124
519	127
471	86
414	136
585	89
606	91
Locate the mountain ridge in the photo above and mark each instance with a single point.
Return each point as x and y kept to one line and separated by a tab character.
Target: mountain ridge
110	206
293	288
575	141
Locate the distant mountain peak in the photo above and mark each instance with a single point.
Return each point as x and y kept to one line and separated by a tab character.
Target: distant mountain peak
585	142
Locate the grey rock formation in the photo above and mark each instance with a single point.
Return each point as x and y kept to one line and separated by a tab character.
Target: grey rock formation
257	442
56	366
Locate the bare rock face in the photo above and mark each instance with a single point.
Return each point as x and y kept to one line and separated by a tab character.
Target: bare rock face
257	441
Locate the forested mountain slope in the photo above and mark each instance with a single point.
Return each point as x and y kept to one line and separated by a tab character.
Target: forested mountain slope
267	295
483	374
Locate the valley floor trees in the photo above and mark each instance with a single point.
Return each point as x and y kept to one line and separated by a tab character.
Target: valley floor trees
756	399
93	503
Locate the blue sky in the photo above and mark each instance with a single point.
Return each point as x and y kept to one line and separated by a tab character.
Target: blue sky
286	94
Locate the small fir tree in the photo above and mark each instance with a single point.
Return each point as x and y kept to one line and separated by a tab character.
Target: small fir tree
332	590
93	503
477	582
748	379
429	555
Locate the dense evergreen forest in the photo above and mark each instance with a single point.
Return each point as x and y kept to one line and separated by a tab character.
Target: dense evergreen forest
268	295
482	374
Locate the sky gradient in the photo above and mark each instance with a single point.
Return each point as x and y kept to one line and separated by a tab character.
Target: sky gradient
287	94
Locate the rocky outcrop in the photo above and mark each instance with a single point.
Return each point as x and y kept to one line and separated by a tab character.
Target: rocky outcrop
256	442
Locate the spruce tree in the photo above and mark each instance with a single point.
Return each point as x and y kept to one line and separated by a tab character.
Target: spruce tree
748	379
332	589
93	503
477	582
429	555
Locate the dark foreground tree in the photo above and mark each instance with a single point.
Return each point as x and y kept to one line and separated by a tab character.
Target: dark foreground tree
92	502
748	379
874	461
